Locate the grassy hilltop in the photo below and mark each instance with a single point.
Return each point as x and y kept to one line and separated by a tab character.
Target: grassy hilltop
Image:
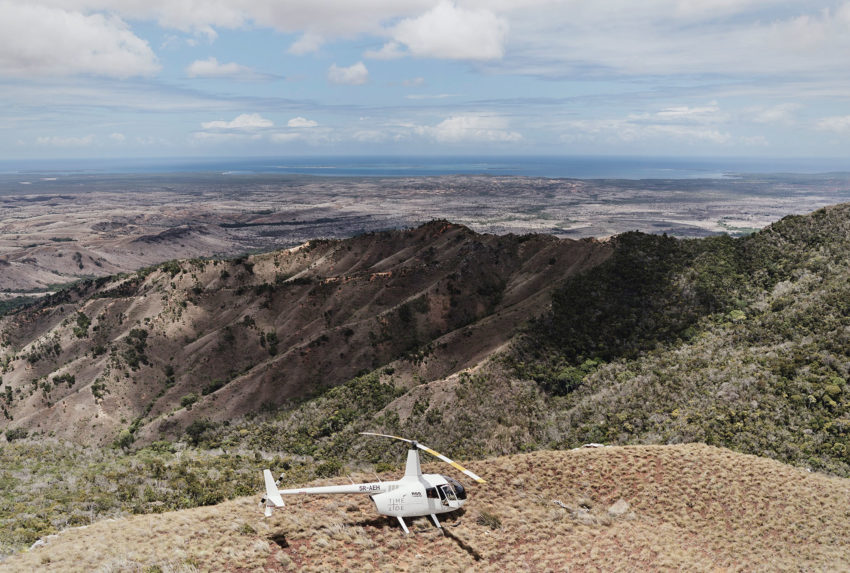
689	507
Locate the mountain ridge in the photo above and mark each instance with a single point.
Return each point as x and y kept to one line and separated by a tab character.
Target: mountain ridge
226	338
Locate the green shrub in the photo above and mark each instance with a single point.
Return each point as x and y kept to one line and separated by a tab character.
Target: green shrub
13	434
489	519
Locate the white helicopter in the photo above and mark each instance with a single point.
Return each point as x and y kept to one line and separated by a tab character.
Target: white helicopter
414	495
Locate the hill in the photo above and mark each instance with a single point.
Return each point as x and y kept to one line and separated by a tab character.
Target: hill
741	343
687	507
145	355
737	342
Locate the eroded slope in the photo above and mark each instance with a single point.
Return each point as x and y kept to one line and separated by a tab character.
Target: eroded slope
151	352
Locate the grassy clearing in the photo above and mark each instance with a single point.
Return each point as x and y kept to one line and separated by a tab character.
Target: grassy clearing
690	507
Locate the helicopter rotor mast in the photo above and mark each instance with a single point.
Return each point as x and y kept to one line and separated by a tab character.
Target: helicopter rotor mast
434	453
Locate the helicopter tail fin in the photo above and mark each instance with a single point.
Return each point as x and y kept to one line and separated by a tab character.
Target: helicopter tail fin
272	497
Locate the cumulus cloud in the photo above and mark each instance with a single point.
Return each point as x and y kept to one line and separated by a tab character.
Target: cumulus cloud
452	32
301	122
307	43
548	37
44	40
246	121
119	137
211	68
353	75
471	128
389	51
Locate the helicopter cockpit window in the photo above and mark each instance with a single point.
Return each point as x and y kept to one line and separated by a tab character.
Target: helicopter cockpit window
431	493
447	493
459	489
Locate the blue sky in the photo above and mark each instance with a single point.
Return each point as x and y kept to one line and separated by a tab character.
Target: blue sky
175	78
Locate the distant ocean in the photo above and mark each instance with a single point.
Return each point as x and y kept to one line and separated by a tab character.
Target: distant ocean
378	166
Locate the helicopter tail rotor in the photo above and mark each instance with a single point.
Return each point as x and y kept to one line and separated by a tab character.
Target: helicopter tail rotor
434	453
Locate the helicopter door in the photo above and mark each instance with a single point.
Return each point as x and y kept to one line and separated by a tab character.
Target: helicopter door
447	496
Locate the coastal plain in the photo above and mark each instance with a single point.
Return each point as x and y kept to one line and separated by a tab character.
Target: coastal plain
58	228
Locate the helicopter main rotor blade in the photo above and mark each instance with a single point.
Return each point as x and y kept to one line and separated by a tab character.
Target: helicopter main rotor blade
434	453
388	436
452	463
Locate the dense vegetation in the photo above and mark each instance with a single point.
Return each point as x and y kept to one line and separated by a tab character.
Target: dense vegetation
737	342
10	304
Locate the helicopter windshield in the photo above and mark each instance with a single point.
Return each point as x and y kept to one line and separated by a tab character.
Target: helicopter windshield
446	492
460	492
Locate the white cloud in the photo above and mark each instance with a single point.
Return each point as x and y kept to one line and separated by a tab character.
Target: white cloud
42	40
471	128
246	121
613	130
452	32
389	51
59	141
327	18
679	121
547	37
301	122
701	114
119	137
837	124
413	82
692	37
307	43
353	75
778	114
211	68
693	125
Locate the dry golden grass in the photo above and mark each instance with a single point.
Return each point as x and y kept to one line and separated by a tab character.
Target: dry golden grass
689	507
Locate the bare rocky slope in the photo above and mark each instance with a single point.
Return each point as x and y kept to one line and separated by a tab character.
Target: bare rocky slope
151	352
